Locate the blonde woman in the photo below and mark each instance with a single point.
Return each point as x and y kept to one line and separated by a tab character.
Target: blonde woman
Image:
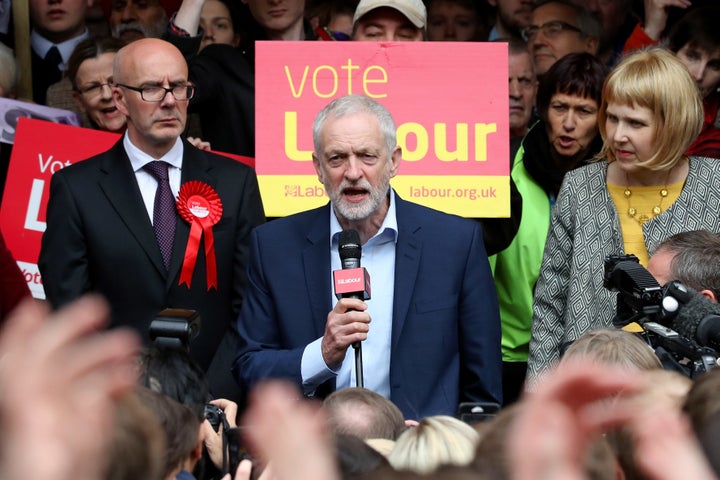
641	191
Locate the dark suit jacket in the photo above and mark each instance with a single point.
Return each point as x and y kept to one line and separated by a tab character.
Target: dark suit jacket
43	75
224	94
99	238
446	326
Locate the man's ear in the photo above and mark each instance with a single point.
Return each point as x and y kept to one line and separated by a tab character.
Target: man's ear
709	295
592	44
119	98
395	160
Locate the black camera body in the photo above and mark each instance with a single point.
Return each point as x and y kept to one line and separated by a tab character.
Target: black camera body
473	413
639	294
641	299
215	416
232	438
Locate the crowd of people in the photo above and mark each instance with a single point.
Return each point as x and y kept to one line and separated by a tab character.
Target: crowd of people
490	348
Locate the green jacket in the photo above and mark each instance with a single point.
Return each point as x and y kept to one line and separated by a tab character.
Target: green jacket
516	268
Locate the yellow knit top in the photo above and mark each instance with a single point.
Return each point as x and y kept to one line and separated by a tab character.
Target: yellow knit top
637	205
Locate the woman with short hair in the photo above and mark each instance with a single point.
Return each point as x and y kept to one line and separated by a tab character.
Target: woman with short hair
641	191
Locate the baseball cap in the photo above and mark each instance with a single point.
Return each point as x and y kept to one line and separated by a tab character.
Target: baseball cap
414	10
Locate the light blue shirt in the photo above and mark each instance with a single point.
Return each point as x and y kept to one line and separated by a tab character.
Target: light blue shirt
494	35
378	258
42	45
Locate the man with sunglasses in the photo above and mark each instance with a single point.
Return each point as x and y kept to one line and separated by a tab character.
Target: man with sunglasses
113	225
559	27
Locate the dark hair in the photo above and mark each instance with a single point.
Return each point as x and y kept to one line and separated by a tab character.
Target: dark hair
327	9
177	421
90	48
697	28
696	255
235	14
702	401
516	46
574	74
137	448
175	374
355	457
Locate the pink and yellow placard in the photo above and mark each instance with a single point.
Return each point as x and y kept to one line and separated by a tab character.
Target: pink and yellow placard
449	101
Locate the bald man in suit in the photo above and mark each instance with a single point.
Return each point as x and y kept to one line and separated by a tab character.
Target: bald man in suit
103	212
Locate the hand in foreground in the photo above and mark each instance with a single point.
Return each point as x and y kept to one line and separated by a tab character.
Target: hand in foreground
289	434
580	400
244	472
60	378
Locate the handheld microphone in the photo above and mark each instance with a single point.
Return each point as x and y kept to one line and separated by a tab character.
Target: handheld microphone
352	281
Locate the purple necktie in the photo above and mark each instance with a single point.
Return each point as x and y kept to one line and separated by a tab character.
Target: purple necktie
164	212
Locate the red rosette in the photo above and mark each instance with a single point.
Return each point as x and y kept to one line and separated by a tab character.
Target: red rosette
199	205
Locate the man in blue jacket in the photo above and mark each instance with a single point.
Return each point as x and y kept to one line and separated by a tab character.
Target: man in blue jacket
434	340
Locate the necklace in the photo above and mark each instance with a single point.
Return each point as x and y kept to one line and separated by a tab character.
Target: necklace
656	210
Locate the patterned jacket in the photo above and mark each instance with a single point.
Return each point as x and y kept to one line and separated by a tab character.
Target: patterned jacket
585	228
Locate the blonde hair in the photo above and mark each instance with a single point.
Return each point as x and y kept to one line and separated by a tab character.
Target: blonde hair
655	79
435	441
614	347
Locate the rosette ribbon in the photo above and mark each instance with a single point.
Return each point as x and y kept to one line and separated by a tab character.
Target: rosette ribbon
199	205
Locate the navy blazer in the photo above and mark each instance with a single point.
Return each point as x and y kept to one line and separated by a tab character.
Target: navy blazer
99	238
446	325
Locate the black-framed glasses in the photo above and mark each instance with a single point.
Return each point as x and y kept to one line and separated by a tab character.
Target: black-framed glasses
157	93
95	89
549	29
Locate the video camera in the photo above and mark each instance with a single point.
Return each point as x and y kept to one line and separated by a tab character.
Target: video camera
175	329
672	317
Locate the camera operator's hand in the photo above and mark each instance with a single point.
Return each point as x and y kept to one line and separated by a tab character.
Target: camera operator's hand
213	439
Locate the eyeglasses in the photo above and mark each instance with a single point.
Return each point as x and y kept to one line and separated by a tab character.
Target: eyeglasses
157	94
549	29
95	89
